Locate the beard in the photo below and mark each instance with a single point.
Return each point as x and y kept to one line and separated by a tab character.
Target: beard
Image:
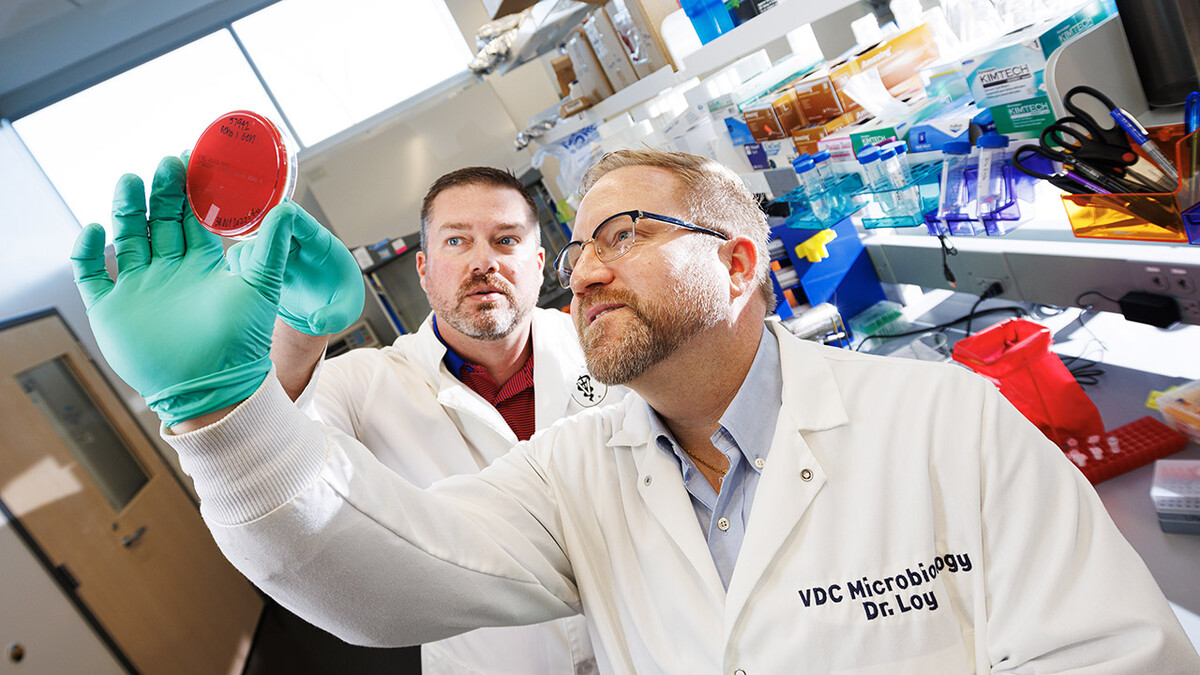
487	321
618	352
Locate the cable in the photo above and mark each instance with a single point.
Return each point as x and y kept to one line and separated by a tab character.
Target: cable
1079	299
995	288
947	250
1019	311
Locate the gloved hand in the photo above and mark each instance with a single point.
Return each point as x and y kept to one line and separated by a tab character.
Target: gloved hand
189	335
322	285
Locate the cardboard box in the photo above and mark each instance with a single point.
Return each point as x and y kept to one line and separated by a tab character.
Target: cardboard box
787	111
643	46
591	82
808	138
1014	70
1023	119
817	98
764	126
952	123
609	52
899	61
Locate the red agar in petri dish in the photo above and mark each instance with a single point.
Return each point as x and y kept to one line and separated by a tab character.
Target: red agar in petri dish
241	167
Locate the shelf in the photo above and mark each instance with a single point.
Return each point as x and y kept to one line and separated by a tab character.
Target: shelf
639	92
757	32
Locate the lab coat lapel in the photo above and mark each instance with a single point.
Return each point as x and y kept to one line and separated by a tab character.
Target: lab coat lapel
811	402
660	484
552	375
452	393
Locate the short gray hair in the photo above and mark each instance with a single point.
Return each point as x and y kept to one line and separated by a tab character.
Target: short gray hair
714	196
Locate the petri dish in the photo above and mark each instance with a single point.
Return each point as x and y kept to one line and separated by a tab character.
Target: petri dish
241	167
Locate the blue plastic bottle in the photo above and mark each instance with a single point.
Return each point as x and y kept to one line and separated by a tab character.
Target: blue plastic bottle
710	18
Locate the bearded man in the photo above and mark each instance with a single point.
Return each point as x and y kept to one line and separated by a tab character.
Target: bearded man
758	505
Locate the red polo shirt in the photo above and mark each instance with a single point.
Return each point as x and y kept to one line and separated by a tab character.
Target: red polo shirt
513	399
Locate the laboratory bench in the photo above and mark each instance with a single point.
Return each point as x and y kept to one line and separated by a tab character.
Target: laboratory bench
1136	359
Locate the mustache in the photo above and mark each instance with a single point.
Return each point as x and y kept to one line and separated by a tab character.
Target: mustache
616	296
487	279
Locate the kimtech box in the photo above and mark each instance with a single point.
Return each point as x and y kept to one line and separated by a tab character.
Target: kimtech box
1010	76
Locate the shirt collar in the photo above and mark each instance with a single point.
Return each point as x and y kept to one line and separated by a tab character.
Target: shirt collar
752	415
453	360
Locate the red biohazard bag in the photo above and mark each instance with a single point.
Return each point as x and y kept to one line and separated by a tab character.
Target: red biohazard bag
1015	355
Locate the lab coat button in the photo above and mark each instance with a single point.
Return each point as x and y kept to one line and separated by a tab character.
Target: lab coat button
760	463
739	671
723	524
806	475
647	480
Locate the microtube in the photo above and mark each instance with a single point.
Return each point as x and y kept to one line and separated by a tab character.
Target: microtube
242	166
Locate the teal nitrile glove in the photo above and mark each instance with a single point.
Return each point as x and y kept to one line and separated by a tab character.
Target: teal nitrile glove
322	285
189	335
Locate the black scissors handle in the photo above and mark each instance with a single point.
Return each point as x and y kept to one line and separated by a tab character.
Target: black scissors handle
1108	133
1077	137
1029	160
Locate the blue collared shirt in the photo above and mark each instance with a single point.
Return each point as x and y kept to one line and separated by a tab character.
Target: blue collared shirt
452	359
747	427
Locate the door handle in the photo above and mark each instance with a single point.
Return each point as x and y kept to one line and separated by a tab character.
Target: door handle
130	539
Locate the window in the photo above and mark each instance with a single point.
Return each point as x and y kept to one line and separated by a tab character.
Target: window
328	65
333	65
128	123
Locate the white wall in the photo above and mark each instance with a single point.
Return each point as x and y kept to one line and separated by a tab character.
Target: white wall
37	231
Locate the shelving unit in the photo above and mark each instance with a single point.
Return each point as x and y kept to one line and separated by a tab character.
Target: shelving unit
726	49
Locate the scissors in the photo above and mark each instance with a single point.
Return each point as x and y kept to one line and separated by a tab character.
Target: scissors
1038	161
1079	133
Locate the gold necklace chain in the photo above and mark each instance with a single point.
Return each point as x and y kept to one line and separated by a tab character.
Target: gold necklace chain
710	466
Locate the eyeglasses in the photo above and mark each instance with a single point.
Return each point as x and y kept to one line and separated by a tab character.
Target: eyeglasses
613	238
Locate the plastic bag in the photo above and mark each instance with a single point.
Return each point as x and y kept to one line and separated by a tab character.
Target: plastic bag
1015	355
575	153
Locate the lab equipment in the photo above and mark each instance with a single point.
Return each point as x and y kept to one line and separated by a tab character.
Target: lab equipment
323	290
710	18
991	189
874	177
953	206
241	167
1191	112
1025	159
1181	409
820	201
1176	495
905	202
822	165
1015	355
1138	133
901	150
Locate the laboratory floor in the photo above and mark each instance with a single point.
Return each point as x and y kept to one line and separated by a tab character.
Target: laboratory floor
285	643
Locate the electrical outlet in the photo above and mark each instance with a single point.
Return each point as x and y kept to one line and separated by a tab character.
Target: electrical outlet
983	282
1189	310
1153	278
1181	283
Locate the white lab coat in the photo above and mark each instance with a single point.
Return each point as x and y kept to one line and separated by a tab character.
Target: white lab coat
404	405
878	468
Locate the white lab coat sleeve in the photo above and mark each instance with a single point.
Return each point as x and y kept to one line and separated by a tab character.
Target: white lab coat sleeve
305	401
314	520
1065	592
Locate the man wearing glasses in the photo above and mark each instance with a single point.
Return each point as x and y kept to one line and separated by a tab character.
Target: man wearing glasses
762	505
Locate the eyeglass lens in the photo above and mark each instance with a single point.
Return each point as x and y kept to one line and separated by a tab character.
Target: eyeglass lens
612	240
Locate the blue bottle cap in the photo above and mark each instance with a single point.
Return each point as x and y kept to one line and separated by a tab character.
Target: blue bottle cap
868	154
803	165
956	148
992	141
900	147
821	156
886	154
